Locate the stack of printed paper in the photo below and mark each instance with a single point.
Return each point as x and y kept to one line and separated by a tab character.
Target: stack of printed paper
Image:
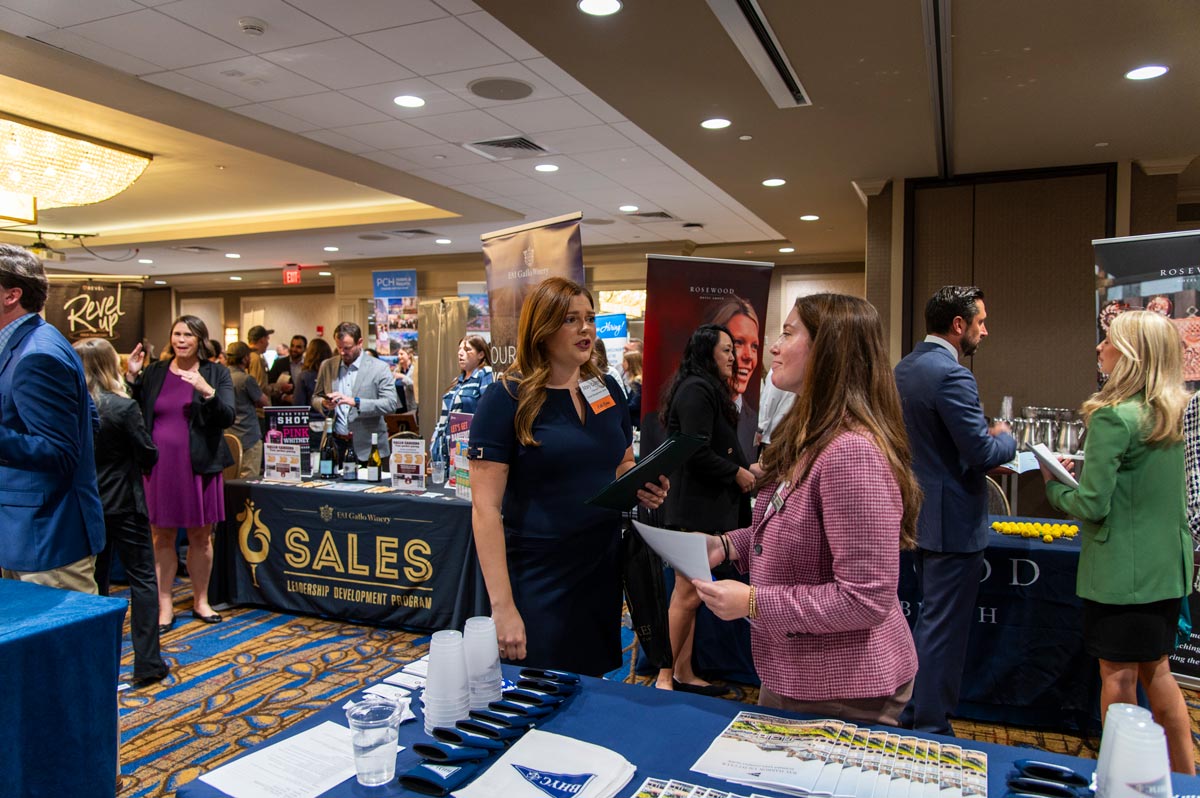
834	758
542	764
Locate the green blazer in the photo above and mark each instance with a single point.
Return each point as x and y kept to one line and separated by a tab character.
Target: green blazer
1130	505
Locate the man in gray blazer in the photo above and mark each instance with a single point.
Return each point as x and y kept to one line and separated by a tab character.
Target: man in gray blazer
357	389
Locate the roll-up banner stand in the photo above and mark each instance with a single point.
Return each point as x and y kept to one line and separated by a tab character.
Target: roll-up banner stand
395	311
683	293
1160	273
518	258
479	320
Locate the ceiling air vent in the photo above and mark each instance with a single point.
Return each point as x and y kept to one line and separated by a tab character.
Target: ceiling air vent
411	234
651	216
506	149
195	250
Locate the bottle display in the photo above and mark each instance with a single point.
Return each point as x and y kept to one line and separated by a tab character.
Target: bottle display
350	461
328	465
374	461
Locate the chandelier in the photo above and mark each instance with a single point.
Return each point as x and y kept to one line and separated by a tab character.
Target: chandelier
61	168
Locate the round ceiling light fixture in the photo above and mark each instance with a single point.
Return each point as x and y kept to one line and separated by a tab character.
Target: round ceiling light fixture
331	249
1148	72
408	101
809	217
160	282
716	123
546	167
504	89
235	278
787	250
628	209
145	260
232	255
599	8
774	182
443	241
324	274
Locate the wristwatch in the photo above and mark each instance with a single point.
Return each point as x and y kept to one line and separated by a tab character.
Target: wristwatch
357	403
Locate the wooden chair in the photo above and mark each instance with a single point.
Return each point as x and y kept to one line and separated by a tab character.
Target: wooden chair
235	447
997	501
400	422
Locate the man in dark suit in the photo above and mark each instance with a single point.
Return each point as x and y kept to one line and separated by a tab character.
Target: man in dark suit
281	392
51	519
953	449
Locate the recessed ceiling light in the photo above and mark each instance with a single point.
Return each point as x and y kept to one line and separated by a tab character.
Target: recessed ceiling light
443	241
331	249
1101	143
745	138
408	101
627	208
145	260
809	217
160	282
324	274
772	182
546	167
599	8
233	255
1146	72
715	123
235	278
786	250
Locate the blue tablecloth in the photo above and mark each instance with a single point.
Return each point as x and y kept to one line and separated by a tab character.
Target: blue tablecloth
660	732
60	652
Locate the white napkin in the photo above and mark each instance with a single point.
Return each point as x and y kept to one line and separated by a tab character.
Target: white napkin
545	765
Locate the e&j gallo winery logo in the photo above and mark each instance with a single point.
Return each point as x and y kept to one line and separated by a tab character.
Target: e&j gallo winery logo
252	526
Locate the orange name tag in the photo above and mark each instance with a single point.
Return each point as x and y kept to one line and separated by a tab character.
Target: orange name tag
597	395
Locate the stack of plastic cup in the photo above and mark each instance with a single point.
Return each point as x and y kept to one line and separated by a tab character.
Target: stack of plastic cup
1117	714
447	697
483	661
1138	765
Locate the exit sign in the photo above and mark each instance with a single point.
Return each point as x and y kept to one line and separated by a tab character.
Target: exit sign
291	275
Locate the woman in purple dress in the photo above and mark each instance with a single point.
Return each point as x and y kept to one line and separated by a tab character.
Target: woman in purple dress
187	403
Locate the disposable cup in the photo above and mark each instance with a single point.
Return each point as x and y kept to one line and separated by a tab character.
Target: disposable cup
447	679
1117	714
1138	765
374	730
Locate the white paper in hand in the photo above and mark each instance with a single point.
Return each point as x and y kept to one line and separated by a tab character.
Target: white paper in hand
686	552
1047	458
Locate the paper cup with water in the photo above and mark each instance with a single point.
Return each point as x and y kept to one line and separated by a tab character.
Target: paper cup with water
374	731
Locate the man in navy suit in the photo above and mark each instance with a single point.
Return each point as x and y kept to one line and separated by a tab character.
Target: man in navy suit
51	519
953	449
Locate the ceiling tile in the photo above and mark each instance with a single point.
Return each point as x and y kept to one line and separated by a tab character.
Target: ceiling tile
388	135
381	96
465	126
439	156
514	186
458	6
627	158
157	38
20	25
583	139
488	26
338	63
458	82
435	176
337	140
275	118
430	48
286	26
654	176
557	76
558	113
361	16
611	199
64	13
194	89
390	159
479	173
255	78
97	52
328	110
598	107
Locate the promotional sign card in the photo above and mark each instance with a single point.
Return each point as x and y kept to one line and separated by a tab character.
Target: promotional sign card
283	462
289	425
408	465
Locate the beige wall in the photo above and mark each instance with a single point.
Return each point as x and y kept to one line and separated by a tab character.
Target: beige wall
1153	202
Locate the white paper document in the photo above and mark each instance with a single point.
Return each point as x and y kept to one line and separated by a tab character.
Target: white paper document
1050	460
303	766
1021	463
686	552
408	681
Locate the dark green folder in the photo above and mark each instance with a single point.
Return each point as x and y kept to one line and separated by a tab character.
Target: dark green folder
621	494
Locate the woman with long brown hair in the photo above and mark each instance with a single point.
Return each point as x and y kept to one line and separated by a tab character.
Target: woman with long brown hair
548	434
837	503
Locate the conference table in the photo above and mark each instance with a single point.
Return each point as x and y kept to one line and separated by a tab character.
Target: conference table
391	559
660	732
60	655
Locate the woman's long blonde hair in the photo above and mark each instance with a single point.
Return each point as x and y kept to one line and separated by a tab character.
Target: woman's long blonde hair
542	316
101	367
1151	361
849	385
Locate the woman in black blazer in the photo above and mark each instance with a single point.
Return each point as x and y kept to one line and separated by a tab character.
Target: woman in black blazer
124	451
711	492
187	403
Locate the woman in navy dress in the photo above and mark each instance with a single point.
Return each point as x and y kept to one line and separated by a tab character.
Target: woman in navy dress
545	437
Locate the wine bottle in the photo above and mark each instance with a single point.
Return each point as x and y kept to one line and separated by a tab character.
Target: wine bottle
327	466
374	461
350	461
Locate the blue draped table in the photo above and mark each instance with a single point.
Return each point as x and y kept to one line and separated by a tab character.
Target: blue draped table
60	653
660	732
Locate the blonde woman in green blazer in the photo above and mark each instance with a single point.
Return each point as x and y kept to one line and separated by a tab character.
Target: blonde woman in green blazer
1136	562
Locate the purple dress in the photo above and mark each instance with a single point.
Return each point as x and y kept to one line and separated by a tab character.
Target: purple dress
175	495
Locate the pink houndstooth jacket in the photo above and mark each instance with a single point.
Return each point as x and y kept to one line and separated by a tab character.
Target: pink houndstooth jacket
824	570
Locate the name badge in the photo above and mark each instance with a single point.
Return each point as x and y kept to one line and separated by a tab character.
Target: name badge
777	501
597	395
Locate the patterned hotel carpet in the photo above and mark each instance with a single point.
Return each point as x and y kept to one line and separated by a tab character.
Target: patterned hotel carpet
239	682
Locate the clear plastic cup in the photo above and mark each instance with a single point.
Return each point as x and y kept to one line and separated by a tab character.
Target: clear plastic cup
1138	765
374	731
447	688
1116	715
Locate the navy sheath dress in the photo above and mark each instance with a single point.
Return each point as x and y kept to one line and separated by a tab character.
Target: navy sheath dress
563	555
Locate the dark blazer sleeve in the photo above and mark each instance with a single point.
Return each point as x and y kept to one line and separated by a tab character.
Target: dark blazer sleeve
697	412
45	392
957	403
133	426
217	412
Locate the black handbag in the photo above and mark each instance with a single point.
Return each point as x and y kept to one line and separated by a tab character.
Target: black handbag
645	591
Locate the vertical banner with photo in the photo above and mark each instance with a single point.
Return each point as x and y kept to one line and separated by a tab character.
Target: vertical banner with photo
395	311
517	259
683	293
89	309
479	319
613	331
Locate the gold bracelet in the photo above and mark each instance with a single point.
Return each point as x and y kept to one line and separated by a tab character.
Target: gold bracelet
753	606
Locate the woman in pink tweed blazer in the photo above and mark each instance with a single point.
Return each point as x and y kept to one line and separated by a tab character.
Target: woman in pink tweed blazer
837	502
